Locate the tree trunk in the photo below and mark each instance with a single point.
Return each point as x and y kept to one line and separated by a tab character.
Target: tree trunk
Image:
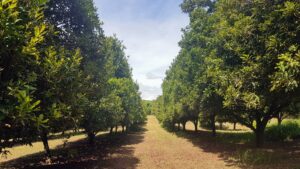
116	129
123	129
213	125
111	130
91	138
259	138
259	134
178	127
44	138
196	125
173	126
183	126
127	127
76	130
234	126
221	125
279	119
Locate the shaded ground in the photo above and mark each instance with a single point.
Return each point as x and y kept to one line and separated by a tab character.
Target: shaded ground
154	147
236	149
109	151
37	147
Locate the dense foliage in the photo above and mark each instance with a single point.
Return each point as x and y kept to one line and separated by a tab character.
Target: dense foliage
239	62
59	72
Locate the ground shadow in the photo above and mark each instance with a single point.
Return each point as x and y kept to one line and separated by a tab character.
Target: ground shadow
109	151
237	149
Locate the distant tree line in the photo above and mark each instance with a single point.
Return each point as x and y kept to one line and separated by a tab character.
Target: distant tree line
239	62
59	72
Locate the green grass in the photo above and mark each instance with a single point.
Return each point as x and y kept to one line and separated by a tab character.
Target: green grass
236	138
274	121
288	130
291	120
254	157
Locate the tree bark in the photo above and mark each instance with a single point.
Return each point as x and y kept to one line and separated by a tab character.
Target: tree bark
279	119
196	125
91	138
259	134
259	138
173	126
183	126
127	127
213	125
234	126
111	130
76	130
44	138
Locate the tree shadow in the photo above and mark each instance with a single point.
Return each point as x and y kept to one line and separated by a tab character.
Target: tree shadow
110	151
237	150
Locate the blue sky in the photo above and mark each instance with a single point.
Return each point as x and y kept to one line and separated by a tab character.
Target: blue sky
150	30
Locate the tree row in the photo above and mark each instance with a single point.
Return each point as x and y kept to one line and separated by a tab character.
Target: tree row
239	62
59	72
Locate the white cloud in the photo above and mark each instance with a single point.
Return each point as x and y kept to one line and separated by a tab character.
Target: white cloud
149	91
151	43
151	75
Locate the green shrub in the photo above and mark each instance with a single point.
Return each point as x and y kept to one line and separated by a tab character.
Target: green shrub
168	125
283	132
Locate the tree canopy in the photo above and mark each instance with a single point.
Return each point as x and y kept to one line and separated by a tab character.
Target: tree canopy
60	72
238	60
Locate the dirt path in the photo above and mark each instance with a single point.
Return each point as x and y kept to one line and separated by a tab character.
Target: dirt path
153	147
157	148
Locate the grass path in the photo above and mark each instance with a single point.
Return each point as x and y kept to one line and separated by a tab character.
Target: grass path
161	149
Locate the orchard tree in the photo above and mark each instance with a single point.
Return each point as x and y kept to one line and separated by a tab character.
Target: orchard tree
19	57
246	59
78	26
37	83
267	51
194	90
57	85
127	90
147	106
